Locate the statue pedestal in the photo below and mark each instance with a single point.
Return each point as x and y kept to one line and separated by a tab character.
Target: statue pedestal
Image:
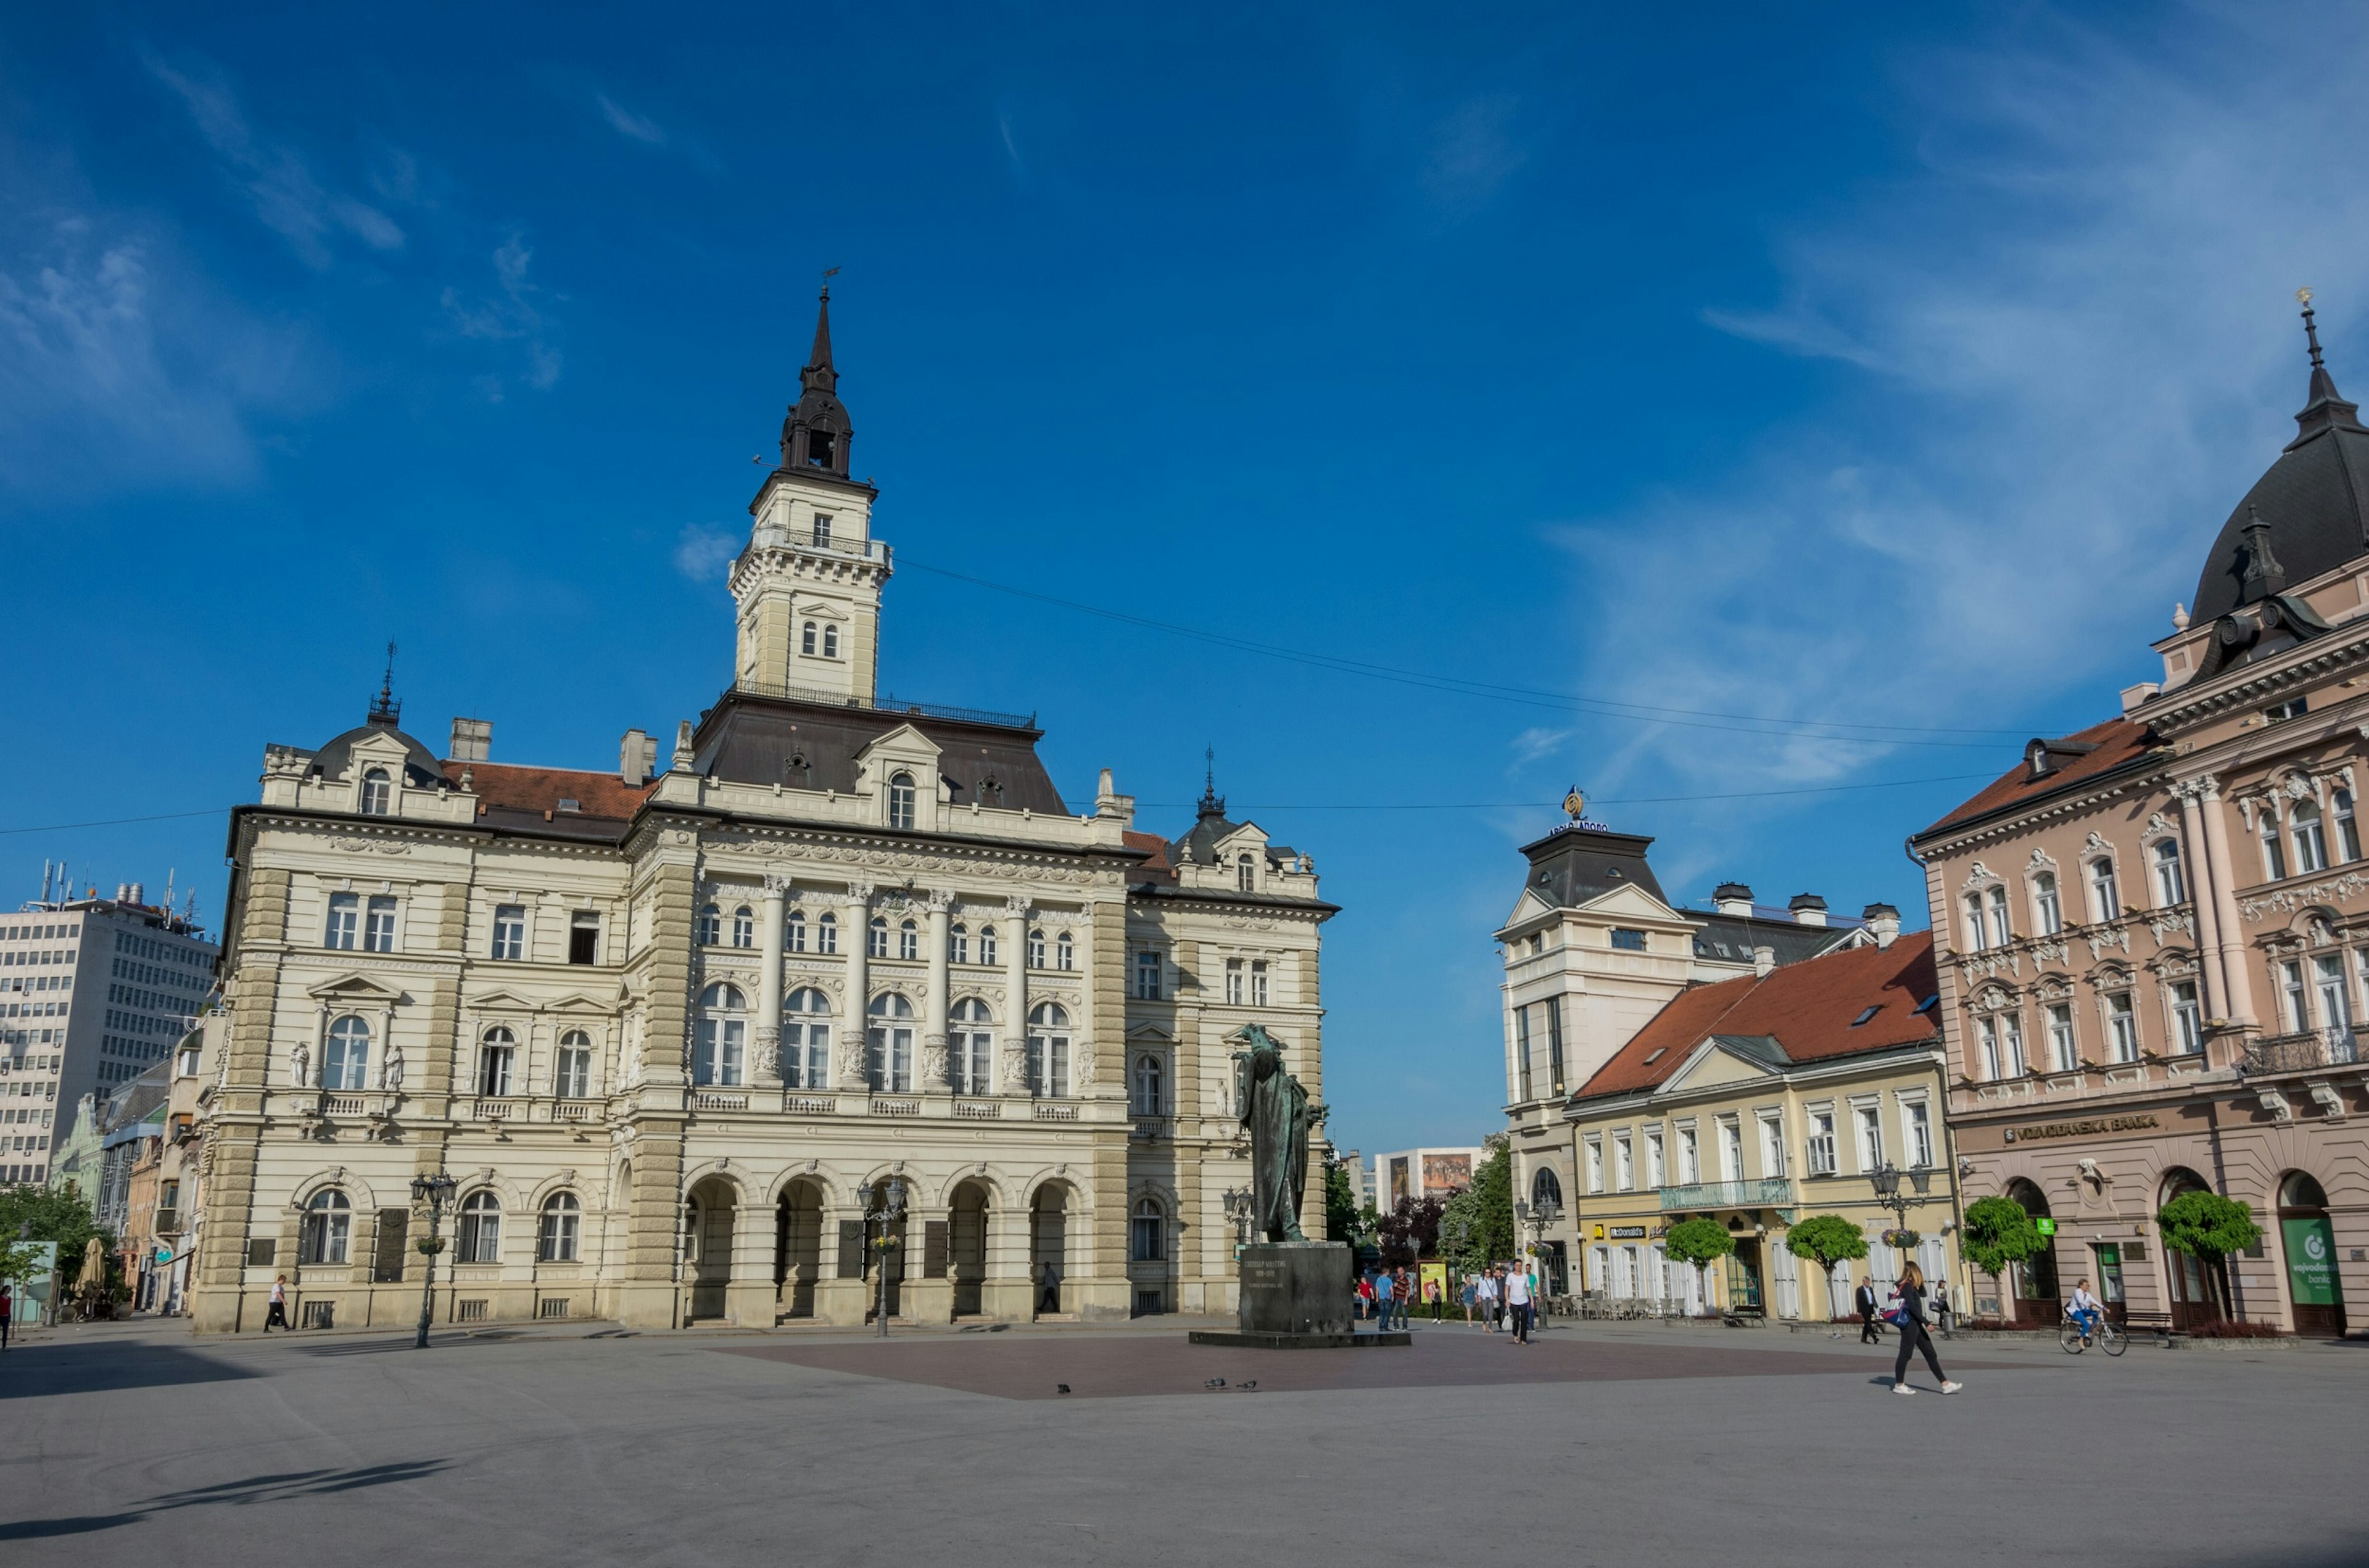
1297	1296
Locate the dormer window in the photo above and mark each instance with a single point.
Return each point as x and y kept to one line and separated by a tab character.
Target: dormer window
378	793
2279	713
900	801
1245	872
822	531
566	804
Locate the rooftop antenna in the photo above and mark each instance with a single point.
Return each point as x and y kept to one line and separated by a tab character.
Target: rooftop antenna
169	889
45	881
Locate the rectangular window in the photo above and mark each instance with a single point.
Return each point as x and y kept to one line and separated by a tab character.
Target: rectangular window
1258	982
1147	977
1628	941
1522	1053
1624	1163
1234	982
1731	1149
510	931
1656	1172
494	1070
2310	838
345	920
2105	899
823	530
2298	1003
2052	908
2348	831
575	1078
378	929
2335	1003
1867	1121
1919	1118
721	1053
1554	1042
2186	1018
2122	1026
2274	858
1975	941
1772	1146
584	938
2062	1050
1595	1165
2002	932
826	935
1820	1152
2011	1044
1987	1029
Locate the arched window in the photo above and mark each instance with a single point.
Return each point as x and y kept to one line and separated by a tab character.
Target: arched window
1147	1232
900	801
877	944
1245	871
794	939
573	1081
346	1063
888	1053
1147	1085
986	945
959	944
329	1228
2050	906
720	1048
2310	838
708	929
908	941
554	1240
1065	952
378	793
970	1048
2105	898
1035	949
744	927
1546	1187
481	1228
830	642
2171	887
1048	1049
807	636
826	932
806	1040
2300	1191
495	1052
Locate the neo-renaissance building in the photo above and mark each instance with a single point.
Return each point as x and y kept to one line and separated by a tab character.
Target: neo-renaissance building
675	1029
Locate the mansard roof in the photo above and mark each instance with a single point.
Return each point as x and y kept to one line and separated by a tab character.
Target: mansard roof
1580	861
750	739
1795	1013
2112	746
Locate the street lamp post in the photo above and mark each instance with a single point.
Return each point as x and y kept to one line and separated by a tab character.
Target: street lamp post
435	1192
1886	1178
1238	1210
1541	1218
890	1208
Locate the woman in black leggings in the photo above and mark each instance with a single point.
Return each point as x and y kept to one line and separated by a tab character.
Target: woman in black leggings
1913	1336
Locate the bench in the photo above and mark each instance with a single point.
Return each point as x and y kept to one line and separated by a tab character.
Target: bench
2156	1323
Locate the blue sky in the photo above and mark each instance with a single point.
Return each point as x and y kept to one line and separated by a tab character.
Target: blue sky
1873	369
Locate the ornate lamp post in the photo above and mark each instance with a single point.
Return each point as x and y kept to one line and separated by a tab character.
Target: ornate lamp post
1238	1210
434	1191
1886	1180
1541	1218
890	1208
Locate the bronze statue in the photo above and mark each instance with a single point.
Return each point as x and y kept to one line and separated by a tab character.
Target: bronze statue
1279	1115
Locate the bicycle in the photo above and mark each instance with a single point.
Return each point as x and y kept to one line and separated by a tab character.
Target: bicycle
2108	1338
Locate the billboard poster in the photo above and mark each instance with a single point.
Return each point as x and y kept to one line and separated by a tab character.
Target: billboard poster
1399	1187
2311	1261
1443	1173
1433	1274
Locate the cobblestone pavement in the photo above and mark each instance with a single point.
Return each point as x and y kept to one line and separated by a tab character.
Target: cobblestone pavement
1611	1444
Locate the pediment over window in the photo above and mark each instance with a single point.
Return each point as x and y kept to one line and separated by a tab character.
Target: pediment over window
355	988
503	999
576	1002
1727	1059
1629	900
1152	1034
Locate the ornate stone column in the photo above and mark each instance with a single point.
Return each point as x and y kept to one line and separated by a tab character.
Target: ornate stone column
1012	1075
2202	894
933	1026
2232	944
853	1041
769	986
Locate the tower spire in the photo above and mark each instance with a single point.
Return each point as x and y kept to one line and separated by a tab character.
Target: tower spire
384	708
1212	803
814	436
2324	406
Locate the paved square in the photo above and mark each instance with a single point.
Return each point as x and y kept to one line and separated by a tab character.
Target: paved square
1604	1443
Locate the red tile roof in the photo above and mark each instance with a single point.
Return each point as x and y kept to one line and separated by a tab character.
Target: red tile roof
541	789
2118	741
1157	868
1807	1006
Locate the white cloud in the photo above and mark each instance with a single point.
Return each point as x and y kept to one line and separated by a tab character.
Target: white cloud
279	184
1537	742
2077	348
703	554
1474	149
509	315
626	123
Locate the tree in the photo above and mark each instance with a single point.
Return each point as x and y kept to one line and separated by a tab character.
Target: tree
2206	1225
53	1214
1998	1232
1410	1229
1827	1239
1341	1217
1701	1241
1491	1236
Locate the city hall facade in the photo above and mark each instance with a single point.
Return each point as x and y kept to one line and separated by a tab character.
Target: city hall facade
678	1032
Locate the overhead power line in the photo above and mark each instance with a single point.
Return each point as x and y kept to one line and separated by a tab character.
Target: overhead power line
1607	707
1536	805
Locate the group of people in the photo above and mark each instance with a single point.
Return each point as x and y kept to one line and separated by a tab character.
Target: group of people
1502	1299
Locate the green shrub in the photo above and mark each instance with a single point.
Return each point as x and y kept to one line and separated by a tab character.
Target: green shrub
1998	1232
1825	1240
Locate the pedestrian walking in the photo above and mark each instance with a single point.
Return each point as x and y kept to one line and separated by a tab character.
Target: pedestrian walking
8	1311
1941	1312
1439	1295
1364	1296
1472	1294
279	1313
1518	1300
1049	1298
1865	1301
1913	1335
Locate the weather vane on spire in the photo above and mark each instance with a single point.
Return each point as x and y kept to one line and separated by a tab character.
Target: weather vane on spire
386	708
2310	327
828	274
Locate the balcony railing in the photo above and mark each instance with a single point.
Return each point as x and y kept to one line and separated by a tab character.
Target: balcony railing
2336	1046
1767	1192
885	703
168	1222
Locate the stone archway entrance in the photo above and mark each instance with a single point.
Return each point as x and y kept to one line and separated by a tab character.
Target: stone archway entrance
2314	1290
798	1249
2196	1284
966	1248
709	1215
2034	1294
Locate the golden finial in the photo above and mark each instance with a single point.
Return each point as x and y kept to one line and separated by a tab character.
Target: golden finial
2303	296
1574	804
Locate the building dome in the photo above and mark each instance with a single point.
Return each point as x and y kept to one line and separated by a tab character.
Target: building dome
2314	499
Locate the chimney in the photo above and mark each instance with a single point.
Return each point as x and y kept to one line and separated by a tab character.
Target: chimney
684	755
124	892
637	758
1884	921
473	741
1763	960
1808	909
1732	898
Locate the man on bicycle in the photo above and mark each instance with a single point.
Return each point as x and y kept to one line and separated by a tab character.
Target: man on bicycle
2084	1309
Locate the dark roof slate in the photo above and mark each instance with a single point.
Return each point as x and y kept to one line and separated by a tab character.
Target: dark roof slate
750	739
